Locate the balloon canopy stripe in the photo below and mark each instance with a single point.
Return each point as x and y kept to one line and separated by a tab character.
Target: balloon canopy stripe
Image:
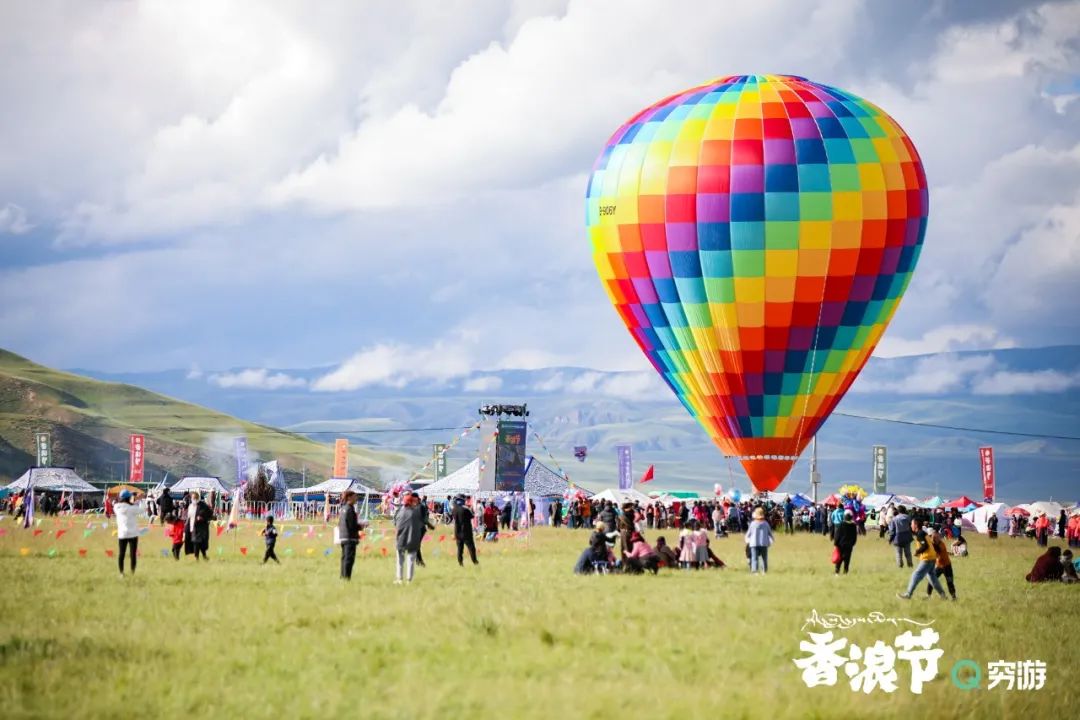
755	235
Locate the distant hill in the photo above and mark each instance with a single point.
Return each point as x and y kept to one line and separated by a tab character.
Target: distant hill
90	422
1032	390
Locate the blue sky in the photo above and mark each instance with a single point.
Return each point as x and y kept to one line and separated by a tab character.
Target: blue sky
396	188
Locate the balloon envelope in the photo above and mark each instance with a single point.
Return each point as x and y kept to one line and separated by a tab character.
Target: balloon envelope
755	235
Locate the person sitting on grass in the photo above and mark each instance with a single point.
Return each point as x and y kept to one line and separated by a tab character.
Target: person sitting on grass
959	547
1047	567
641	557
1068	574
597	552
667	556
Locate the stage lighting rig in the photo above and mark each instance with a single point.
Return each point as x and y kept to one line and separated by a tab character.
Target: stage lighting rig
504	410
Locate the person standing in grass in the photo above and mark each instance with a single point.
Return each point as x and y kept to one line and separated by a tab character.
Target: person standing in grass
197	530
127	528
175	533
1042	529
844	541
463	531
900	536
348	533
270	534
409	523
759	537
943	563
927	556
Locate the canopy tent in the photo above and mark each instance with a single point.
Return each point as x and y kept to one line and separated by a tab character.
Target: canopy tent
906	500
682	494
961	502
1051	509
797	499
977	519
877	500
198	484
934	502
1019	510
831	500
540	481
334	486
58	479
621	497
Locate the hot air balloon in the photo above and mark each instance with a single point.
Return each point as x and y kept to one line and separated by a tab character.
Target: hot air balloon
755	235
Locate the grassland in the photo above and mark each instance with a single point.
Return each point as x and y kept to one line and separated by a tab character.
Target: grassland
518	636
90	422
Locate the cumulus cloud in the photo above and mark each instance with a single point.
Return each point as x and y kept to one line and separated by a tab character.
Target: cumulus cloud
947	338
625	386
255	379
396	366
484	383
1005	382
13	220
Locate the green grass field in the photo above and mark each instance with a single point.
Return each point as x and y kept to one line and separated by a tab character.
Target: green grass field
519	636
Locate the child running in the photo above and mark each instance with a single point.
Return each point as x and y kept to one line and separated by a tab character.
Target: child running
175	532
270	533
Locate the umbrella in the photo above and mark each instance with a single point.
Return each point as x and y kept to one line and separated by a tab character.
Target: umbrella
115	490
1018	511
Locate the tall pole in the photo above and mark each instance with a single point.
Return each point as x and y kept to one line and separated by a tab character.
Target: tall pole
815	476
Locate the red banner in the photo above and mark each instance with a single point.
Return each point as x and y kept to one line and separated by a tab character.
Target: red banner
136	474
986	457
341	458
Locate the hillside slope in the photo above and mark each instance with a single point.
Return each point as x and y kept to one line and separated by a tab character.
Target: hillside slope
90	422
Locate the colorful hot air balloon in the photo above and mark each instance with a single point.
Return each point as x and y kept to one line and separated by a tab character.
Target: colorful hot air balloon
755	235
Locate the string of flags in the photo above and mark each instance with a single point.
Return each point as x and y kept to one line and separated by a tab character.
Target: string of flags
438	456
558	467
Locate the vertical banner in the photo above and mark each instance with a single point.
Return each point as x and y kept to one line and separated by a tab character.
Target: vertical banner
626	467
43	442
439	455
881	470
135	473
241	460
341	458
986	456
510	456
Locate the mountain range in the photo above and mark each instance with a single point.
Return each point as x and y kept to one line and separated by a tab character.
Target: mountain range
933	412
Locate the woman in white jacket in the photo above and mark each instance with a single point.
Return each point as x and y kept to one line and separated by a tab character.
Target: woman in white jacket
127	529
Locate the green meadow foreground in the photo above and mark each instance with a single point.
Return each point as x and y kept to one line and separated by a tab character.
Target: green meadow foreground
519	636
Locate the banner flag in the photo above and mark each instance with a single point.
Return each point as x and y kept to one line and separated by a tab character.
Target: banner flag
43	441
241	460
136	472
510	456
626	467
647	476
341	458
28	502
986	456
881	469
439	455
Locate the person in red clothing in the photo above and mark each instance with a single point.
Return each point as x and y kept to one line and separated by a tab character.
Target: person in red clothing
175	532
1042	529
491	522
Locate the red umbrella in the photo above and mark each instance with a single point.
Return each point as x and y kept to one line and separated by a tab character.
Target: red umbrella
960	502
1017	511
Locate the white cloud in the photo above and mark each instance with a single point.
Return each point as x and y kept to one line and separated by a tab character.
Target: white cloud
484	383
13	220
256	379
934	375
947	338
396	366
194	372
624	385
1005	382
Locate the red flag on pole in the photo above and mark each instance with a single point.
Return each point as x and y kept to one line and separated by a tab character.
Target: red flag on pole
647	476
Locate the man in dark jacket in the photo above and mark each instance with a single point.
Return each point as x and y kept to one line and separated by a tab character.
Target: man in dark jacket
348	533
900	536
608	516
463	531
165	505
844	540
197	528
506	515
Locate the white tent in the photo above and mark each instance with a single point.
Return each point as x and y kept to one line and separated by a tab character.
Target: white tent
1052	509
540	481
878	500
199	484
976	519
624	496
335	486
58	479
